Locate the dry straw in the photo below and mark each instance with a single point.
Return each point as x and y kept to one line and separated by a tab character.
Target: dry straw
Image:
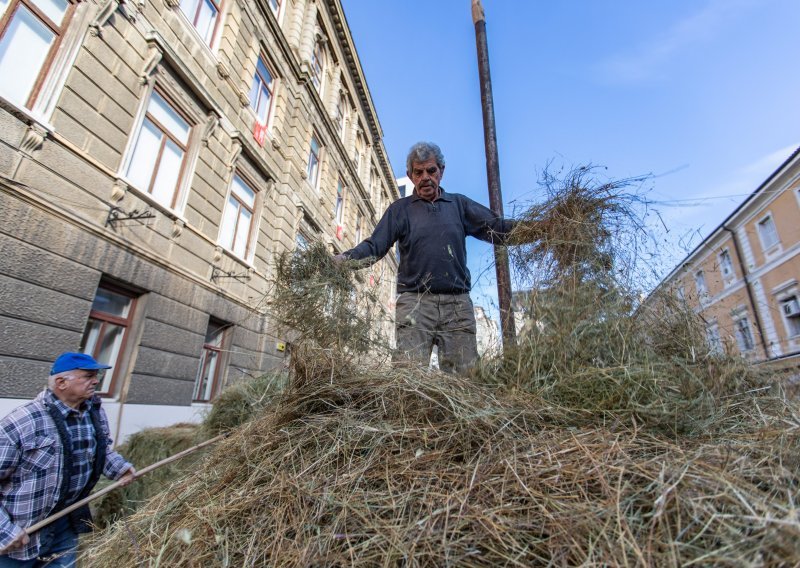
611	436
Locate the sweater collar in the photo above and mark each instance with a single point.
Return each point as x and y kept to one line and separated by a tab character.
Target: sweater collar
443	196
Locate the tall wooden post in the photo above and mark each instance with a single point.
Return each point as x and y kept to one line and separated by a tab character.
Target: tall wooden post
493	174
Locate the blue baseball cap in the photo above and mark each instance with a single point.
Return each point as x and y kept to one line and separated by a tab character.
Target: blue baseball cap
72	361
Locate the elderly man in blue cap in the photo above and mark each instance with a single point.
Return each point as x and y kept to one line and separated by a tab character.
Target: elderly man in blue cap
52	453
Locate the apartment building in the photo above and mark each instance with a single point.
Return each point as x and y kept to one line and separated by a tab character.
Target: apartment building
743	279
155	157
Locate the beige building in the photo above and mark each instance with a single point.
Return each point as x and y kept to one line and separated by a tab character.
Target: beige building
744	279
155	157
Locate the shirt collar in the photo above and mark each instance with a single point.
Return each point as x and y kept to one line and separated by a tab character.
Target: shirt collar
443	196
63	408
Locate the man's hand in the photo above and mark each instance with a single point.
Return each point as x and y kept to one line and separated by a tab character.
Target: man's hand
339	258
21	540
127	477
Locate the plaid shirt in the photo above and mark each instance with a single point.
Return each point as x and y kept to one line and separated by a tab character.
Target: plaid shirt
31	465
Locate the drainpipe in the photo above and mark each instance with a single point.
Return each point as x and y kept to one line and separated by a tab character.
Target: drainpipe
749	288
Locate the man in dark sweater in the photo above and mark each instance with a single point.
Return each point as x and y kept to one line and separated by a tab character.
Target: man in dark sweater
433	281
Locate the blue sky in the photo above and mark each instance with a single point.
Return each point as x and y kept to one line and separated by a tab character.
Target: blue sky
703	94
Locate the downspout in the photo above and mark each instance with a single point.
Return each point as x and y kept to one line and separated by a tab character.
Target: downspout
748	287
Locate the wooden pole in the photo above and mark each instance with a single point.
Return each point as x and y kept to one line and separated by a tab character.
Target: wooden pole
78	504
493	174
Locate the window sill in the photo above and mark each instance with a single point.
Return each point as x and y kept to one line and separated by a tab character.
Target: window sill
151	201
773	251
26	115
229	253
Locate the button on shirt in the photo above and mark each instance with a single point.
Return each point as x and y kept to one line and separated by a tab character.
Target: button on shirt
431	237
81	435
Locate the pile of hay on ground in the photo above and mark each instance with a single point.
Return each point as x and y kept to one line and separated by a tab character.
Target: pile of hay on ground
413	468
604	438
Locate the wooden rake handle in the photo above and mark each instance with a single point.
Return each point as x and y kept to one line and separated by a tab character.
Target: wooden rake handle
144	471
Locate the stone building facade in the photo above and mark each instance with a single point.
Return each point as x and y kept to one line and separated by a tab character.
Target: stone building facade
155	157
744	278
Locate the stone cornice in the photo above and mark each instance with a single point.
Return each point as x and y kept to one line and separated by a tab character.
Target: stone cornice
353	65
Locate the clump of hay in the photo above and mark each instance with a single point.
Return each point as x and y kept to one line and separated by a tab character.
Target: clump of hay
242	401
418	469
588	345
583	229
325	303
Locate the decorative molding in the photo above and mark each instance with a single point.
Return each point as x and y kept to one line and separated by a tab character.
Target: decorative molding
118	191
33	138
244	98
236	151
154	56
211	126
171	4
320	37
222	70
177	228
103	15
217	254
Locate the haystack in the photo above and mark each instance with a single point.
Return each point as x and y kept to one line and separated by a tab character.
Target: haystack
602	439
425	469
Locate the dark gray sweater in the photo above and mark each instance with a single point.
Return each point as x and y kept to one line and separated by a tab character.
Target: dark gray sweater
431	238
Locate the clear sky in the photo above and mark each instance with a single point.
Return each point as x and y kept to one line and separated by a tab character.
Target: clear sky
704	94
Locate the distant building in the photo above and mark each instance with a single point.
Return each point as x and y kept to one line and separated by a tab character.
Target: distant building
405	186
744	278
487	333
156	157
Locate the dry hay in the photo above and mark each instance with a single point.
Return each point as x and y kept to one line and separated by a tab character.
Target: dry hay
142	449
604	439
235	405
325	304
241	402
426	470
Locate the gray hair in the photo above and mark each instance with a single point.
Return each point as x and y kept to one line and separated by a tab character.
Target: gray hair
423	151
51	380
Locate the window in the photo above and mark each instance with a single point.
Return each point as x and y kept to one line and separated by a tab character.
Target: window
680	293
338	209
358	157
714	339
314	158
790	308
768	233
744	335
726	264
203	15
318	65
300	242
210	372
29	37
106	331
236	229
359	226
340	115
159	151
700	283
261	92
275	5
